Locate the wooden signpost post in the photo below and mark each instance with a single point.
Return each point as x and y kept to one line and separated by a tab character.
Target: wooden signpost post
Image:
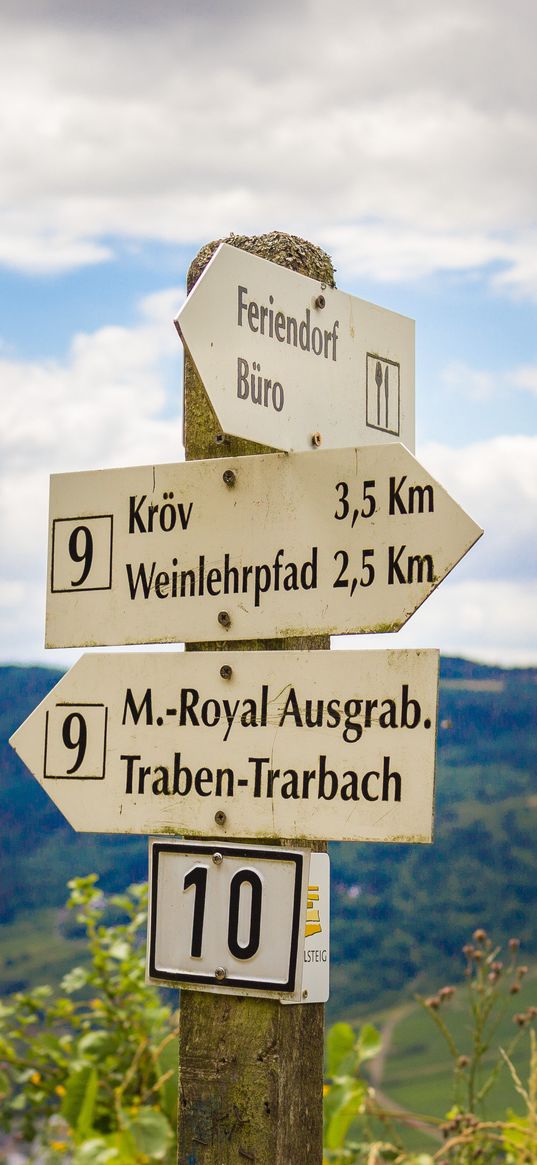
253	561
251	1071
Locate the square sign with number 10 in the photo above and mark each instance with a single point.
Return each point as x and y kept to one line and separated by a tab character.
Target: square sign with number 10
227	918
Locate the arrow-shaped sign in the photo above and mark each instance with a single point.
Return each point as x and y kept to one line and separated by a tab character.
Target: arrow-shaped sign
286	360
331	541
241	744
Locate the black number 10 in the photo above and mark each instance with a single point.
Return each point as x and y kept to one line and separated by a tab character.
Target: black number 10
198	877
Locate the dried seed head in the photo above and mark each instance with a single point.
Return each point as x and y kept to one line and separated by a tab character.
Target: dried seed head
479	935
514	944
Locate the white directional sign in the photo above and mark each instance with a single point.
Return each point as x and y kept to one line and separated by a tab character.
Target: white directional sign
227	918
288	744
284	357
332	541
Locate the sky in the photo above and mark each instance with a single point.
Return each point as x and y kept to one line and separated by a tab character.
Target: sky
401	137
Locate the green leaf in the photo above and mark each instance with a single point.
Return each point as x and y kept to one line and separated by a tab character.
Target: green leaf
79	1101
121	901
138	890
339	1043
98	1151
120	950
25	1075
151	1132
368	1044
347	1103
516	1132
74	980
168	1061
96	1044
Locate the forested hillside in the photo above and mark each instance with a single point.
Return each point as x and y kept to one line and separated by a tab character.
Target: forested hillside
39	851
398	911
407	910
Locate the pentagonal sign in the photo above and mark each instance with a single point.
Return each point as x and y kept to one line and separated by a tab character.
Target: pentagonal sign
325	542
286	360
295	744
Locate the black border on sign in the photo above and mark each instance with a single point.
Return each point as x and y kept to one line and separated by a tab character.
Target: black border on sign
369	424
70	776
238	851
77	590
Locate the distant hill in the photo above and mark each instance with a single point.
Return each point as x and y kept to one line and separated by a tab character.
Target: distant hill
405	911
398	911
39	851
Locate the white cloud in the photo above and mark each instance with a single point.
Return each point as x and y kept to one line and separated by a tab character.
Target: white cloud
485	384
496	482
494	622
394	251
476	383
102	404
28	250
409	129
525	377
105	405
